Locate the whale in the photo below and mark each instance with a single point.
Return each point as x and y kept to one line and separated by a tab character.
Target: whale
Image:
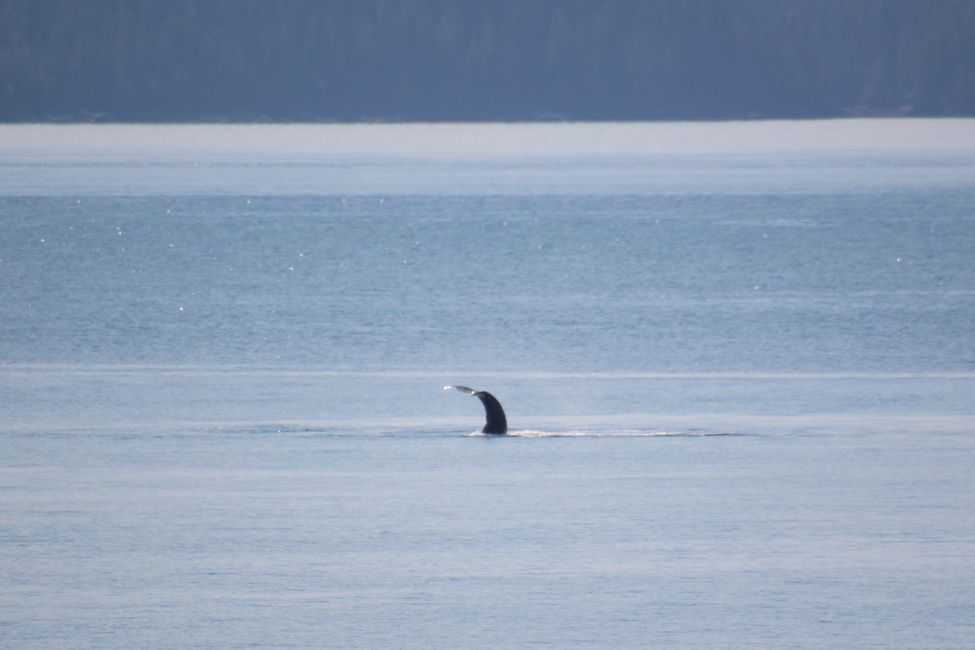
495	422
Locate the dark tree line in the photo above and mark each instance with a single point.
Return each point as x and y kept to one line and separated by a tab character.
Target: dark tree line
182	60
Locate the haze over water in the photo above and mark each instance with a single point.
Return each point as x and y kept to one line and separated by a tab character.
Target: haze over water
737	358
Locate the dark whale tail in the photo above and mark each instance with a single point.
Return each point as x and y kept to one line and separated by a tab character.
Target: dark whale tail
496	423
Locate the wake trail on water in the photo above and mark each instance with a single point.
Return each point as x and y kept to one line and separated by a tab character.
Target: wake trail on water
318	430
617	433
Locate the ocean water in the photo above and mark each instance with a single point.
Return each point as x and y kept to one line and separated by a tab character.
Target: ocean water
737	361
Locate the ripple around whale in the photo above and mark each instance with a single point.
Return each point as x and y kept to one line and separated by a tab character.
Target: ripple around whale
611	433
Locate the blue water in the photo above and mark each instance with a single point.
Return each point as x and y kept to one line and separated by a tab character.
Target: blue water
737	362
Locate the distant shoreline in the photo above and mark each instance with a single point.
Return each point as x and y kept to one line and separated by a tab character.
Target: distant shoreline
865	115
443	61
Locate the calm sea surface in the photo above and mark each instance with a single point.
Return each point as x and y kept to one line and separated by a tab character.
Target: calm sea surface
738	362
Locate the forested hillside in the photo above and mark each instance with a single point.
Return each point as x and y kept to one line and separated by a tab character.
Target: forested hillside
183	60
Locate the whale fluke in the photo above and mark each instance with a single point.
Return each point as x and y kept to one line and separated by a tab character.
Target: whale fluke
497	423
